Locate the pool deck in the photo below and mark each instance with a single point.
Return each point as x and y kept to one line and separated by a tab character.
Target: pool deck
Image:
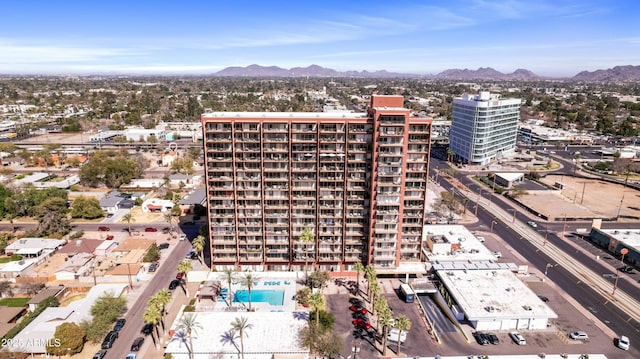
271	282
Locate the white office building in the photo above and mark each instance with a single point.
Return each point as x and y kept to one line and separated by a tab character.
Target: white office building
484	127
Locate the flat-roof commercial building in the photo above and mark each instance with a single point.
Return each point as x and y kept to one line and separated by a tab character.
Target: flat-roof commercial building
356	180
484	127
615	240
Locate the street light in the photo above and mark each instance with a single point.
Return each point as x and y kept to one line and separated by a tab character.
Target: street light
492	223
514	214
546	234
615	284
355	349
546	268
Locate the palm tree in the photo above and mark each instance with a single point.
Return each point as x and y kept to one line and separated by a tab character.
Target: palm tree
371	276
185	267
152	316
198	246
450	155
375	289
163	297
306	237
169	218
249	281
230	276
241	325
316	301
188	324
128	217
403	324
359	267
385	319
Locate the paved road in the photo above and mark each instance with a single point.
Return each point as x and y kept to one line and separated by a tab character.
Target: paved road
161	279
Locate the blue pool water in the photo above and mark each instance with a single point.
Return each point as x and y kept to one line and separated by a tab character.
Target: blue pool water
273	297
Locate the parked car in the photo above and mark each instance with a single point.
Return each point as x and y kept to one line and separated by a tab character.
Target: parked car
163	246
137	343
100	354
166	230
131	356
147	329
104	229
174	284
579	335
109	339
119	324
518	338
151	229
358	309
109	238
493	339
153	267
183	237
626	269
395	336
480	239
481	338
623	342
543	298
532	224
180	275
497	254
361	323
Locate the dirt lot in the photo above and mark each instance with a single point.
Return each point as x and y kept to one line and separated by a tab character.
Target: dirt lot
584	198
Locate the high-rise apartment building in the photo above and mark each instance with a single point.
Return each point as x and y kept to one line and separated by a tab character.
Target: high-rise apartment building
484	127
356	180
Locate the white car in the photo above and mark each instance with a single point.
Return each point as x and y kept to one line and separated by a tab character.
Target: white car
183	237
623	342
532	224
394	335
518	338
480	239
497	254
579	335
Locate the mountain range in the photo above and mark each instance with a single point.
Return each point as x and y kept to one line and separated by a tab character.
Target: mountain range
616	74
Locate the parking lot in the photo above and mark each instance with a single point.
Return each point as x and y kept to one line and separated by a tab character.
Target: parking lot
420	343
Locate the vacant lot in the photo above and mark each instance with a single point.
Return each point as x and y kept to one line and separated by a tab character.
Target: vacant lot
584	198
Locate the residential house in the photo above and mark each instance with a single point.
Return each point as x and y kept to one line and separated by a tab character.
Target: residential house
34	247
178	180
157	205
80	245
8	318
197	196
44	294
33	337
79	265
168	158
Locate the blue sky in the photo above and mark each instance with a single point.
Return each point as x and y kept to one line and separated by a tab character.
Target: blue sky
548	37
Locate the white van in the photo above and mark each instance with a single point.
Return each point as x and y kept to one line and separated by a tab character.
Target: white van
394	335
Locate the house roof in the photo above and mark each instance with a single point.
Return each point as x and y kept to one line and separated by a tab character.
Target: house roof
38	243
75	263
123	269
46	293
197	196
81	245
35	335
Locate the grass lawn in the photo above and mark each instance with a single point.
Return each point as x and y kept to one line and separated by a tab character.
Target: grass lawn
14	302
7	260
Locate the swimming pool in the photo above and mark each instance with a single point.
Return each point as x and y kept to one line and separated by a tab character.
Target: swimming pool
273	297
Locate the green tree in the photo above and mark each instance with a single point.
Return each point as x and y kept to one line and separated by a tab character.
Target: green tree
87	208
109	306
198	246
185	267
241	326
229	276
128	219
374	290
189	325
385	320
370	276
153	254
319	279
249	280
67	339
153	317
403	324
316	301
52	217
358	267
306	237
